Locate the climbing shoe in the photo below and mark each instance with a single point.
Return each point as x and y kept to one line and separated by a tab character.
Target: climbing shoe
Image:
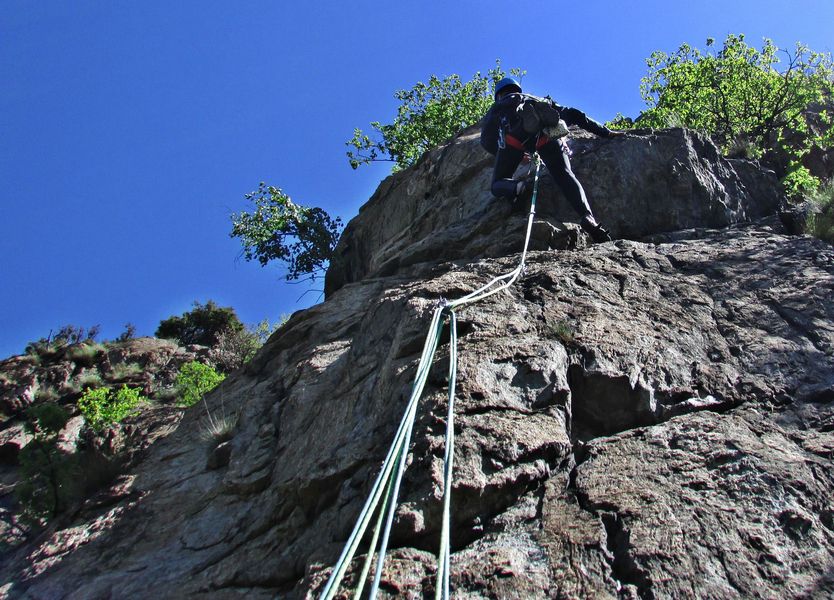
596	231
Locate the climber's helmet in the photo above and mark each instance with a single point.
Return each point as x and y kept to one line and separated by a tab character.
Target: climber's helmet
508	85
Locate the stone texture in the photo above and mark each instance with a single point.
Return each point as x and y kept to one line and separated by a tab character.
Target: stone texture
647	418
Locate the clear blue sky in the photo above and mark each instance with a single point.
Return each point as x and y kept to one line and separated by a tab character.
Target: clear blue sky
129	131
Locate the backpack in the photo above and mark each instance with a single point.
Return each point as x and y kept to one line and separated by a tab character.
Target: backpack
541	114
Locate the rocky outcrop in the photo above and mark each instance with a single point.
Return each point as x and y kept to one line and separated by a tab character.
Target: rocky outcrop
638	184
646	418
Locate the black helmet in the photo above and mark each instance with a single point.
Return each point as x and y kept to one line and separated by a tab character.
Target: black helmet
505	83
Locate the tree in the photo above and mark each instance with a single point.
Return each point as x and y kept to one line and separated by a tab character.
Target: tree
48	476
429	114
279	229
201	325
740	96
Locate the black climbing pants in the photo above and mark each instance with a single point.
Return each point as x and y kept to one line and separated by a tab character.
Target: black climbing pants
557	161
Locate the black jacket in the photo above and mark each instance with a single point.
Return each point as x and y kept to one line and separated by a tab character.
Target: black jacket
503	117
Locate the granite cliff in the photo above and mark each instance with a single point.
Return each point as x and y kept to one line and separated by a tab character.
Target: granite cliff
647	418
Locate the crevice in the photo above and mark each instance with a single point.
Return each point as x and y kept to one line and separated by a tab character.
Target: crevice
629	577
624	569
483	410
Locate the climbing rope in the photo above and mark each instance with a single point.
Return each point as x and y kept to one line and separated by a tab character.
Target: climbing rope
387	484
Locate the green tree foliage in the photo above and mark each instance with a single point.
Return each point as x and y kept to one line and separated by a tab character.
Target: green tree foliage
279	229
429	114
741	97
201	325
194	380
48	476
103	407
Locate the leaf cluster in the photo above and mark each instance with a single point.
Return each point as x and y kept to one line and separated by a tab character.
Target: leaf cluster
429	113
748	99
201	325
194	380
103	407
279	229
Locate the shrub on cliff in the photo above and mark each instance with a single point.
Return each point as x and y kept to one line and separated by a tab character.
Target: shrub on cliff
279	229
103	407
194	380
428	114
201	325
67	335
234	348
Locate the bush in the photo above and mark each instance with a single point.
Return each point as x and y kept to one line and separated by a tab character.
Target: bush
89	379
66	336
194	380
85	354
128	334
563	332
103	407
45	420
235	348
799	182
123	371
200	325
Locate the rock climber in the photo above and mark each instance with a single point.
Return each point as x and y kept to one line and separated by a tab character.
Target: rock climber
503	134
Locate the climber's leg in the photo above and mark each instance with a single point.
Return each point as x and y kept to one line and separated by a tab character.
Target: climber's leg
556	157
558	164
506	162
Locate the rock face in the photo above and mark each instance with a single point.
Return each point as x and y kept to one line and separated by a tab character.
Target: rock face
642	183
61	375
648	418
